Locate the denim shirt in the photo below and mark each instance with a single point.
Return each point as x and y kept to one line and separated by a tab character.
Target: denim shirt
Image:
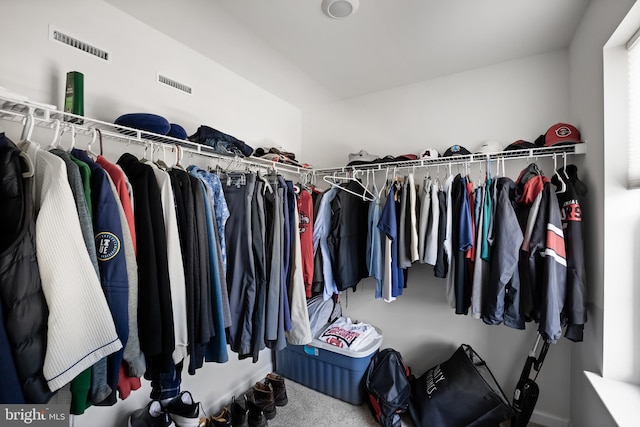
220	208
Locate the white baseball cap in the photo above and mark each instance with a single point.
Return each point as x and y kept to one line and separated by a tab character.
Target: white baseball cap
429	153
490	147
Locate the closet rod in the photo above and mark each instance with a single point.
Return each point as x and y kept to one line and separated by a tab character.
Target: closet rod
44	116
460	160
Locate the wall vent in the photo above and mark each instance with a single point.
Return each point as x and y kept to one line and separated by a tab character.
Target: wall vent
174	84
88	48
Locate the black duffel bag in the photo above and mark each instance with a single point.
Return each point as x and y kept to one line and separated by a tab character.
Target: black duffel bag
459	392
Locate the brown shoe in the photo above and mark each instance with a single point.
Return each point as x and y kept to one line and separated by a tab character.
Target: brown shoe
279	389
222	419
263	398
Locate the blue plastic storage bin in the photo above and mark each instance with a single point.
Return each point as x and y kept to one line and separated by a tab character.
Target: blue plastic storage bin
328	369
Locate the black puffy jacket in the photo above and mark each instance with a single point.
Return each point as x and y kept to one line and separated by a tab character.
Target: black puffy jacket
23	303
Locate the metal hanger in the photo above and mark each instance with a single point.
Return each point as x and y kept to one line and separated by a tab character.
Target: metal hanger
56	136
94	137
179	155
333	181
563	184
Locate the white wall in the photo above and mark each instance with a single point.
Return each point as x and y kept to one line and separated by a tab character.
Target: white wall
515	100
36	67
611	343
506	102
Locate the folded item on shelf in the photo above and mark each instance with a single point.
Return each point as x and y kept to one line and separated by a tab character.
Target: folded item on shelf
144	121
222	143
344	333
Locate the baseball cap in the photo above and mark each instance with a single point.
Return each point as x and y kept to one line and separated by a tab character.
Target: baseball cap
456	150
562	133
490	147
520	144
361	158
405	157
429	153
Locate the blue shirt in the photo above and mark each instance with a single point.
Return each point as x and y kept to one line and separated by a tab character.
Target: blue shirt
321	229
219	204
389	225
374	246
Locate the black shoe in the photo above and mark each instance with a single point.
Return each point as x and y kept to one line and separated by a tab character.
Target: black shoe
263	397
239	412
183	410
257	417
151	415
279	389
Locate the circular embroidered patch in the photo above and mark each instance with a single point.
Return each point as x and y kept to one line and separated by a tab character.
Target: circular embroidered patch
107	246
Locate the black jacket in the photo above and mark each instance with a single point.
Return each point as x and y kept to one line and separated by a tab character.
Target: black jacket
23	304
155	315
348	237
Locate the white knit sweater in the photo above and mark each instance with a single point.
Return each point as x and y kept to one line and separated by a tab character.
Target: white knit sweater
80	327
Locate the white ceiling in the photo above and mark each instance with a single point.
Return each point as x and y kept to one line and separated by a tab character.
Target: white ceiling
289	47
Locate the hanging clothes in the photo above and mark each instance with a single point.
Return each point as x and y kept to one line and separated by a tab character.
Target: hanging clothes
23	305
575	310
81	385
258	246
300	333
424	200
320	235
238	192
317	286
204	329
111	262
175	265
305	209
211	293
480	266
155	316
433	225
348	237
70	284
548	266
128	379
274	218
502	300
213	296
393	279
100	389
374	242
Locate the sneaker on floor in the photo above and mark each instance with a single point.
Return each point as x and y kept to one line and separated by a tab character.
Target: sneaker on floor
151	415
183	410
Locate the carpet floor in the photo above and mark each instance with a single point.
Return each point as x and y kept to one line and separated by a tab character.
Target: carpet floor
309	408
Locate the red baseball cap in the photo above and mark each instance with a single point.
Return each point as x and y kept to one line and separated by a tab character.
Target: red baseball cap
562	133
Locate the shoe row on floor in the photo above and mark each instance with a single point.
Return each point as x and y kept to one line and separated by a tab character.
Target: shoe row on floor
254	409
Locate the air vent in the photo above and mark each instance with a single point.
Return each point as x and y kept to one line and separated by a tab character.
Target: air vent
88	48
174	84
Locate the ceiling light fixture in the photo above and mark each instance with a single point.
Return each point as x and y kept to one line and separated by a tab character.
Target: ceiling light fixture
338	9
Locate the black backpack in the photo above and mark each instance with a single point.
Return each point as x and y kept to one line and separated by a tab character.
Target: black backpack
388	385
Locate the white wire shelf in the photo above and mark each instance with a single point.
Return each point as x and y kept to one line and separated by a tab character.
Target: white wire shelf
529	153
19	109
